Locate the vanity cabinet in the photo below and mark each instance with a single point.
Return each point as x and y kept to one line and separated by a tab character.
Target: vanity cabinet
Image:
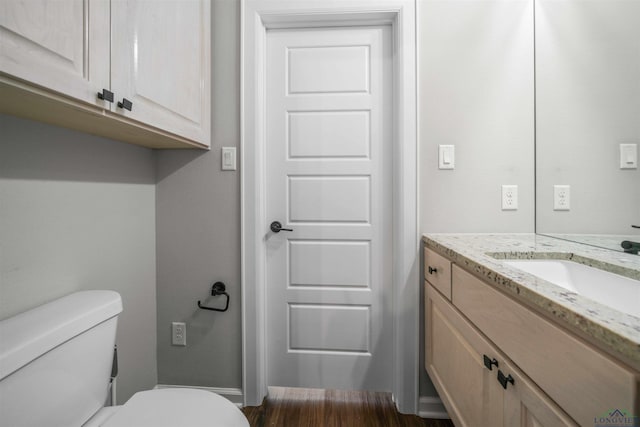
133	70
496	362
465	367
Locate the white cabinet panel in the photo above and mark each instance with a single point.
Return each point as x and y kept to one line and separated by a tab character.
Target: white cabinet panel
160	62
60	45
56	55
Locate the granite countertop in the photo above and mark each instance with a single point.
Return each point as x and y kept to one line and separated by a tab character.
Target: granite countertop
613	331
606	241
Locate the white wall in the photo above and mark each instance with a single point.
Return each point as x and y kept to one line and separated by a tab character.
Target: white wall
476	92
77	213
588	102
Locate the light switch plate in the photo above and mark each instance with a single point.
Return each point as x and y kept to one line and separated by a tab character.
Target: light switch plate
446	157
228	158
628	156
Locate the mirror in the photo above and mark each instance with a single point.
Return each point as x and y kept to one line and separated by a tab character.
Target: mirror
587	65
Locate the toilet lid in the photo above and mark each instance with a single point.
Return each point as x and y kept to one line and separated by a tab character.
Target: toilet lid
177	407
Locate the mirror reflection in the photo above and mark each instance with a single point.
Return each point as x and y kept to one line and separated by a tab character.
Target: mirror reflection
587	63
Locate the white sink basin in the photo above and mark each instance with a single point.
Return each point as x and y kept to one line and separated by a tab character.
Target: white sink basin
618	292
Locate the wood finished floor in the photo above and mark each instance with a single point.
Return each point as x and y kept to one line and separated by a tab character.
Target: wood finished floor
293	407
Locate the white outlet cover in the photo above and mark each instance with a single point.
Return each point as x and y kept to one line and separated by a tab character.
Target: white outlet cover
179	333
561	197
509	197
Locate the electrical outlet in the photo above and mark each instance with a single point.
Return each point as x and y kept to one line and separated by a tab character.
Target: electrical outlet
179	333
509	197
561	197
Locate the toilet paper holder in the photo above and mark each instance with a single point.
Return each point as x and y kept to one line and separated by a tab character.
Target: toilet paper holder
217	288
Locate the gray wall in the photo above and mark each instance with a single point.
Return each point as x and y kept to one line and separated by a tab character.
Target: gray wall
476	92
198	232
588	102
77	213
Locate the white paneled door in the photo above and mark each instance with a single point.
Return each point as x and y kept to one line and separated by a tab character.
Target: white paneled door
329	180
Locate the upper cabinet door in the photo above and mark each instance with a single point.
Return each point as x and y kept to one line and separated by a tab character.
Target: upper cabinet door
160	62
60	45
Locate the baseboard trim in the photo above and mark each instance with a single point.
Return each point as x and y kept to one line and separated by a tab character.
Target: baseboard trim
432	407
234	395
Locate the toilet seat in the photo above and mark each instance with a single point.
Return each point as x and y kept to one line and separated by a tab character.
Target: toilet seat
177	407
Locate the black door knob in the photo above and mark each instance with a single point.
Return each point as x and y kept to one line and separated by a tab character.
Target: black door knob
276	227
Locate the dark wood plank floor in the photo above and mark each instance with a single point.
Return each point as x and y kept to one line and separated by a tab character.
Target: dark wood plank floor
294	407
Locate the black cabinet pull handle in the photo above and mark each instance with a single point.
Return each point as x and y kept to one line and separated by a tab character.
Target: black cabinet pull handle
489	362
432	270
276	227
635	226
126	104
105	95
504	380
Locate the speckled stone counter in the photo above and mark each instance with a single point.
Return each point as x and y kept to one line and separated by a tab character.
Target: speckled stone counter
615	332
606	241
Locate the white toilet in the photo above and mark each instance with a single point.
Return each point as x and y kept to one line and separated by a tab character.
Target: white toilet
55	365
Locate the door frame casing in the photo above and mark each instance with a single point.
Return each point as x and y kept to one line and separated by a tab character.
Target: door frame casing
257	16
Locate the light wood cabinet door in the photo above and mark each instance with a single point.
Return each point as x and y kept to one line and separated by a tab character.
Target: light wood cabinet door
471	392
525	405
160	58
578	377
455	362
60	45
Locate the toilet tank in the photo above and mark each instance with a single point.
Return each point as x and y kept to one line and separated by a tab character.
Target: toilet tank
55	360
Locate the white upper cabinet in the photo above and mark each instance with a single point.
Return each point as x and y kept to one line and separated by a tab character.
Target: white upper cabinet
152	55
160	63
59	45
